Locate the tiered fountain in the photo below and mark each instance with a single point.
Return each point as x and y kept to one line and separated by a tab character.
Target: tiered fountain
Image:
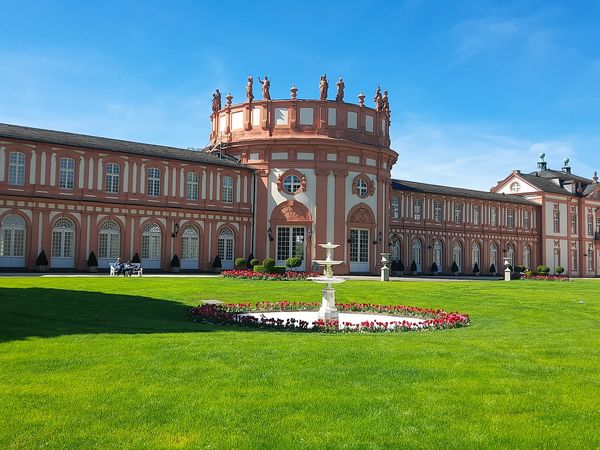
328	310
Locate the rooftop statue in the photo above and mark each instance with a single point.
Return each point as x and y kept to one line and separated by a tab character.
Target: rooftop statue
378	99
323	87
385	103
266	85
216	101
340	91
249	94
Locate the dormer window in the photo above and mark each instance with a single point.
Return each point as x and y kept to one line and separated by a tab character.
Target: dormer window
515	187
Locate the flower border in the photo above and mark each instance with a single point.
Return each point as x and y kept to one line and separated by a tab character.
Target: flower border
251	275
230	314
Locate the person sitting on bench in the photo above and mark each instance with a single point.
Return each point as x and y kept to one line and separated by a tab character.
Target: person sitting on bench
127	269
119	265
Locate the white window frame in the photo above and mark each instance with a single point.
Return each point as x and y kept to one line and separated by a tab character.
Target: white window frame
153	182
66	178
227	189
112	178
16	168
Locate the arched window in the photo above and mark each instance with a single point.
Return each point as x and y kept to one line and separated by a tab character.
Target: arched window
225	248
527	257
112	178
66	177
192	186
438	255
109	240
395	248
494	256
16	168
457	255
12	243
63	243
476	255
151	246
190	243
510	255
417	254
515	187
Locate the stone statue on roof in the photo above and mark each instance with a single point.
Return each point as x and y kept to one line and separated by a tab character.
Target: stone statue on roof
323	87
249	93
378	99
340	91
266	85
385	103
216	101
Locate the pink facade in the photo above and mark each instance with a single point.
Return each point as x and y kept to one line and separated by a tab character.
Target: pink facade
289	174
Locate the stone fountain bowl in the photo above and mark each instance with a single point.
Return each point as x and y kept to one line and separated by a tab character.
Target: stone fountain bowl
334	280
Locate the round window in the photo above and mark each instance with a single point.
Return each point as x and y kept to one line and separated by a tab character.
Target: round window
291	184
361	188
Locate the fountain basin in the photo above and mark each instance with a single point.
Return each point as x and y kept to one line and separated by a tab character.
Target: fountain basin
326	280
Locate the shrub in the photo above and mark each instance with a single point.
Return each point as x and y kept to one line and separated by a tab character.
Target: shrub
476	268
136	259
293	262
92	260
42	259
400	267
268	264
217	262
544	270
413	266
559	270
258	268
279	270
520	268
493	268
454	267
175	261
254	262
434	267
240	263
249	260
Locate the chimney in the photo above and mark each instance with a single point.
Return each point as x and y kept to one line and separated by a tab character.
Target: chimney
566	168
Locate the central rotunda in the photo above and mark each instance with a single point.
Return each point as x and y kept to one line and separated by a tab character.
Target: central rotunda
322	173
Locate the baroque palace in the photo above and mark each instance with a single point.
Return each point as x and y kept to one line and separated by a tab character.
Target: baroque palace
279	177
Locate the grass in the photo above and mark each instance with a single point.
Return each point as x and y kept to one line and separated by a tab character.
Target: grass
115	363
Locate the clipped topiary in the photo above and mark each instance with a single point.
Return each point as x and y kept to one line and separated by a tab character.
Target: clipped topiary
543	270
42	259
249	261
254	262
559	270
413	266
493	268
434	268
293	262
268	264
92	260
136	259
454	267
217	262
240	263
400	266
476	268
175	261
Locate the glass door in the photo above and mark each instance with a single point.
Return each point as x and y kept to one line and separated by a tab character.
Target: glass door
359	250
290	243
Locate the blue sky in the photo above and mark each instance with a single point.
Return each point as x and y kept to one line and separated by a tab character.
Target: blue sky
477	88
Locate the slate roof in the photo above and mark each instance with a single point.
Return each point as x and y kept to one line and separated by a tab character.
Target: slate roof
413	186
107	144
544	182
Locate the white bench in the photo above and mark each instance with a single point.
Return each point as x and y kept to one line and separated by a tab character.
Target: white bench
136	268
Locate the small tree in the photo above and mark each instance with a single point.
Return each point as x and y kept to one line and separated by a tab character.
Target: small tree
559	270
175	261
217	262
400	266
268	265
42	262
476	269
520	268
240	263
249	261
413	267
454	268
293	262
136	259
434	268
254	262
543	270
493	269
92	260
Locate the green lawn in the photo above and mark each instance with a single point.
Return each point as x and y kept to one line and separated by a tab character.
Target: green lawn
113	363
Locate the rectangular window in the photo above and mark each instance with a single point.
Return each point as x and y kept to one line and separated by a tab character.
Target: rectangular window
590	259
67	173
574	259
526	220
227	192
510	218
590	225
192	186
153	182
437	211
457	213
573	222
556	219
112	178
476	215
417	210
494	217
16	169
394	210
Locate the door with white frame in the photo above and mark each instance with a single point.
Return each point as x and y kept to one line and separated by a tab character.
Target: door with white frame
190	245
63	244
291	243
225	247
359	250
109	243
151	246
12	241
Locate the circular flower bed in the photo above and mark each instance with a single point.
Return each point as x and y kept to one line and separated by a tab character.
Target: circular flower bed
530	276
236	314
286	276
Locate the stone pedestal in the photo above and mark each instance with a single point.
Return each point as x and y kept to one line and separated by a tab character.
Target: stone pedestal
385	270
328	310
507	274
